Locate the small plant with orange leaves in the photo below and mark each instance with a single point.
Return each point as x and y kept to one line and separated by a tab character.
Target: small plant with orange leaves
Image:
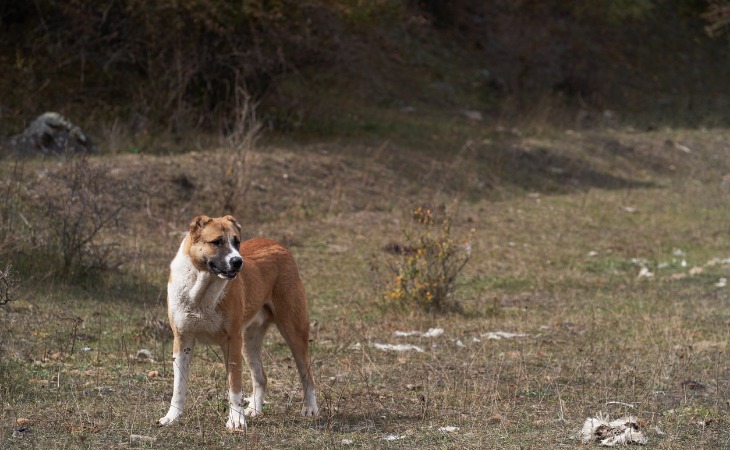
424	272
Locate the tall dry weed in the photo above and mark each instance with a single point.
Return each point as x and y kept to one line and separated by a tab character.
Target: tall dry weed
240	141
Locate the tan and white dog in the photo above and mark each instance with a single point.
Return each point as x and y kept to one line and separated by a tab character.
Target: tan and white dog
225	292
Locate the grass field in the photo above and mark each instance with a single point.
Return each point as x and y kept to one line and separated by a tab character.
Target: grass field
606	250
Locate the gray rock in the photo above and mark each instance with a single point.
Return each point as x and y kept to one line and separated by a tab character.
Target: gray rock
51	133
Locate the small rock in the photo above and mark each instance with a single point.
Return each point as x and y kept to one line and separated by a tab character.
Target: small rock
144	355
51	133
473	115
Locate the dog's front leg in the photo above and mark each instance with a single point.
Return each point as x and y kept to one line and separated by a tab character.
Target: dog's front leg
233	355
182	352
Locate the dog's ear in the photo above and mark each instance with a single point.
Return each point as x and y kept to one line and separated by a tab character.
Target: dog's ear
235	222
198	223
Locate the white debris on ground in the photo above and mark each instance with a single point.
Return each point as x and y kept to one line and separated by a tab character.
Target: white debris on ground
497	335
679	261
393	437
623	431
406	333
431	333
397	347
434	333
717	261
448	429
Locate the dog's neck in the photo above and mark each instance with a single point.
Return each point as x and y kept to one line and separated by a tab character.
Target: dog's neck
192	286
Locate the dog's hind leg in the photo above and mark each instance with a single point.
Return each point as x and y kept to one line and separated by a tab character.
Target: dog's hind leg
253	338
295	329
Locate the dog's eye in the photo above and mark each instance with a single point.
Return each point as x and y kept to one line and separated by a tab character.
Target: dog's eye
236	243
218	242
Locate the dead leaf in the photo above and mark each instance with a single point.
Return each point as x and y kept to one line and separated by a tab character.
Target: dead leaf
22	421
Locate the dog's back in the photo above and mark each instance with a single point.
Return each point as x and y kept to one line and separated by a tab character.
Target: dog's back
269	275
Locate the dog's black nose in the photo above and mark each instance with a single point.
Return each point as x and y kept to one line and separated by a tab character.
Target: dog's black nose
236	263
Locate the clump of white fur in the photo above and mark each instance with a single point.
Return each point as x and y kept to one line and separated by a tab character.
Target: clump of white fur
625	430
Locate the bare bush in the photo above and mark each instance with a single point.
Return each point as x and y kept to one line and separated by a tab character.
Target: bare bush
74	207
240	141
8	283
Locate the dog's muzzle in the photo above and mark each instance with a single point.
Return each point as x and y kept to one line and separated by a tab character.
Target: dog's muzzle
231	271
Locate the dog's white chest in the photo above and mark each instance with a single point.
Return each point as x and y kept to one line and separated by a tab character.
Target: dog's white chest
193	298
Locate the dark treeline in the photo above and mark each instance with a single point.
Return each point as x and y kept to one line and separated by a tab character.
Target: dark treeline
192	63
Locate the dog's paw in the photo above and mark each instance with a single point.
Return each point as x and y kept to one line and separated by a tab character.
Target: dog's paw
167	420
308	411
254	408
236	421
251	411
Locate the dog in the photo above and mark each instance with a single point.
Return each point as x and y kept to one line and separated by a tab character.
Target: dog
226	292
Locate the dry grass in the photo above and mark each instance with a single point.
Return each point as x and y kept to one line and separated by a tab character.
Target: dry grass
564	223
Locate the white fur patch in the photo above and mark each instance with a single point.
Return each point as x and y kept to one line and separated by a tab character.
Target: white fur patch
193	296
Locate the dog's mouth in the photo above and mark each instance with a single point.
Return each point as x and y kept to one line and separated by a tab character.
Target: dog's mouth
225	274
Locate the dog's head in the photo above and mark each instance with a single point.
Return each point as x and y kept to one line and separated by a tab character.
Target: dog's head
214	245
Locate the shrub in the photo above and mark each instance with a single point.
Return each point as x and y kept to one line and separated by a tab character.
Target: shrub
425	269
68	212
73	206
8	283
